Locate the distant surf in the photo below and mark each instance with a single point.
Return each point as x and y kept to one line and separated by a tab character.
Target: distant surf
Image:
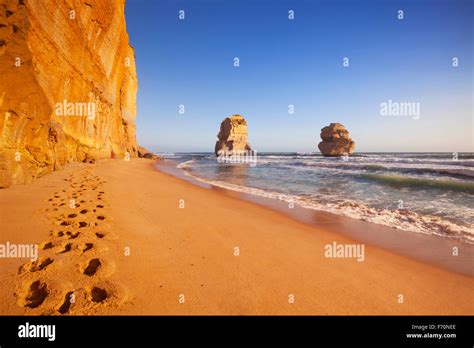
429	193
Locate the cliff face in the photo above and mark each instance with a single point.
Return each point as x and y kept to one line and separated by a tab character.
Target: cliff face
336	141
67	85
232	135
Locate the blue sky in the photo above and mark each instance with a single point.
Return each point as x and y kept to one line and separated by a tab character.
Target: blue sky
300	62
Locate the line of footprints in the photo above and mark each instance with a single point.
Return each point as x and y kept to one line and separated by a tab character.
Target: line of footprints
78	284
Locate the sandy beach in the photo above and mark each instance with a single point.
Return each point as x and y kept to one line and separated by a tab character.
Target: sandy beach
139	241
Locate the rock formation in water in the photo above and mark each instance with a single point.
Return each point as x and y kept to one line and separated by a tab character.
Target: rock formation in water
336	141
232	135
67	85
144	153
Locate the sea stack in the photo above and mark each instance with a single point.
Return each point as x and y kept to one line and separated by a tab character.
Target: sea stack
232	135
336	141
144	153
67	86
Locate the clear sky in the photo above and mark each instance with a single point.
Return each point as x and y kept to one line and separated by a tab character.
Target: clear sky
300	62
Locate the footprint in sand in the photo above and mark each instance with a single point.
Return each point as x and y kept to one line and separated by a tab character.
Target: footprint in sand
72	235
57	233
64	248
84	247
46	245
33	295
36	266
97	294
66	305
83	224
91	267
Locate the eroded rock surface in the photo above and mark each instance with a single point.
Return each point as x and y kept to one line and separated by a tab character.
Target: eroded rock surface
67	85
144	153
336	141
232	135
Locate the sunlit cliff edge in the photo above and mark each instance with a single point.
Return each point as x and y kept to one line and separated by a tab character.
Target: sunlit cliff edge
68	85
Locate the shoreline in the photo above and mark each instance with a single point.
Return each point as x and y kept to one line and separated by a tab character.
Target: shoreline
152	252
414	245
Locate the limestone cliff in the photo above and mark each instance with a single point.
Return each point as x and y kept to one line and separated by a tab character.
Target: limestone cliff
232	135
67	85
336	141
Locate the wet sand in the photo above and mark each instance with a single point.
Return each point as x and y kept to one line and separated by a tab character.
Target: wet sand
430	249
161	245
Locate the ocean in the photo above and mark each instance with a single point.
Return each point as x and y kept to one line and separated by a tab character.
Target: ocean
430	193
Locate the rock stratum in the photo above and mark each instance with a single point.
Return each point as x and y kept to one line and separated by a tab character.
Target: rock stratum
144	153
67	85
232	135
336	141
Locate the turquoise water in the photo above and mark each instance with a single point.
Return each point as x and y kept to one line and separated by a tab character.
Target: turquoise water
429	193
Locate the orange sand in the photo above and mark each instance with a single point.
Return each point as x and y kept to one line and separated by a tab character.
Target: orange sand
153	252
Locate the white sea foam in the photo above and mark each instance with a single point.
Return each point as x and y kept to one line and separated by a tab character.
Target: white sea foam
185	165
396	218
